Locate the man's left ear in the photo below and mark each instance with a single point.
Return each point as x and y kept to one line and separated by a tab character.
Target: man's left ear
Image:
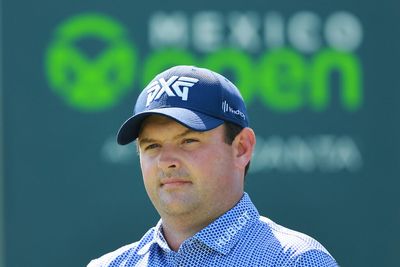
244	144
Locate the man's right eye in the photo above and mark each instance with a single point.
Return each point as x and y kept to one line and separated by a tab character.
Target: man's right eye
151	146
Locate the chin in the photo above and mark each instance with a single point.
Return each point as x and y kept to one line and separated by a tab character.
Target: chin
177	206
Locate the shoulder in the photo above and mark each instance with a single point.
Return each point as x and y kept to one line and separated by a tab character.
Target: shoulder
294	248
109	258
126	253
290	238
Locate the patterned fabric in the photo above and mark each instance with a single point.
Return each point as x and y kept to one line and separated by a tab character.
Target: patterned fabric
240	237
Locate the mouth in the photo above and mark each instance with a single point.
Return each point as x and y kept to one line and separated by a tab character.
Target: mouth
174	182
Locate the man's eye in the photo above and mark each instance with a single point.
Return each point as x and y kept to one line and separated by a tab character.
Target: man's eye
152	146
189	140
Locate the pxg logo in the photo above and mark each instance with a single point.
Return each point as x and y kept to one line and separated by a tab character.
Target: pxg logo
90	83
179	86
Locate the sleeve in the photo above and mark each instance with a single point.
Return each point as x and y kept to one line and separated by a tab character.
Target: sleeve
315	258
94	263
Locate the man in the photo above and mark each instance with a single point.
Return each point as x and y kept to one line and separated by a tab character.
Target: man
195	147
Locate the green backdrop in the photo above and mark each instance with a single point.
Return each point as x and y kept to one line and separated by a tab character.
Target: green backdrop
320	79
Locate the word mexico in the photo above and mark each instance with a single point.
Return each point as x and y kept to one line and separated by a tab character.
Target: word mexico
208	31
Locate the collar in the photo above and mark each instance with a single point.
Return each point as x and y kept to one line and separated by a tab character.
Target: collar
156	237
221	235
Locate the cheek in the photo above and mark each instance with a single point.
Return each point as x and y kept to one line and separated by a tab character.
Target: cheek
216	164
146	163
148	172
149	180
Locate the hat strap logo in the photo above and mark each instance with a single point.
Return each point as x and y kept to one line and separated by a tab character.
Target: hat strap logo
174	86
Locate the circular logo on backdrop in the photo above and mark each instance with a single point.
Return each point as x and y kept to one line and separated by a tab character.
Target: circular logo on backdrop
90	63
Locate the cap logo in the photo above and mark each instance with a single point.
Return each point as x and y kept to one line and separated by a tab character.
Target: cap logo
174	86
227	108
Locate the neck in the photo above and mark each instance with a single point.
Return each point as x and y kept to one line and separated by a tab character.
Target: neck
178	228
176	231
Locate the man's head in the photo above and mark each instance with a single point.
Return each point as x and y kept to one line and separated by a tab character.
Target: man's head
194	141
192	173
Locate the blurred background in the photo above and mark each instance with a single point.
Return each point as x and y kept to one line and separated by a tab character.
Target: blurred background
321	82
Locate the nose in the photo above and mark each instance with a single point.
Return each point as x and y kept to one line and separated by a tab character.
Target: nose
168	158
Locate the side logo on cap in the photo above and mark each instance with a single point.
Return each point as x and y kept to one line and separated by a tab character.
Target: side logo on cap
175	86
227	108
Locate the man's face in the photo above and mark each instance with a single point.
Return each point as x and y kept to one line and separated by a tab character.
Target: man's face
187	172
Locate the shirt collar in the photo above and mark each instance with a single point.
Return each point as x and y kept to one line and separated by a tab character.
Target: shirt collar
221	235
156	237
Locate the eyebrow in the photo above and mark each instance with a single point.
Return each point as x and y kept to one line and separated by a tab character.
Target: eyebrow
146	140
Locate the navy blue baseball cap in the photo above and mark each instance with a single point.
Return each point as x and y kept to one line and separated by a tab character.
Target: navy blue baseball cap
197	98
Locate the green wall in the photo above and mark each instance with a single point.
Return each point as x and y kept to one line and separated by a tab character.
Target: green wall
320	80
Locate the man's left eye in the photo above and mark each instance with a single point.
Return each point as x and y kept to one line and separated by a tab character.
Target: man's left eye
189	140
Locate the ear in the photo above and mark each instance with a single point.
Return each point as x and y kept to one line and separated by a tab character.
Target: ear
243	147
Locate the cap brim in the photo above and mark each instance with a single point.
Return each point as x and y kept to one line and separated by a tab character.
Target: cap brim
194	120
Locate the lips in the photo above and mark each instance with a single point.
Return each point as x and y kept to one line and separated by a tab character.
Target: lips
174	182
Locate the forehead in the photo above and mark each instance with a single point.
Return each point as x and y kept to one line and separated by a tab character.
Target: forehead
159	120
159	124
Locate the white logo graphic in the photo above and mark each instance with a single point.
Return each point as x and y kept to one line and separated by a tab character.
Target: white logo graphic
227	108
233	229
175	86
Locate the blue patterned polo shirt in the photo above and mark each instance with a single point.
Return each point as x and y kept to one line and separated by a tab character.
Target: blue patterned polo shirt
240	237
